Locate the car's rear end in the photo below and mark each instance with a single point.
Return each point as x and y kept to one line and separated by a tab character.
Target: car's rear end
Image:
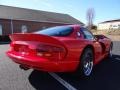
46	50
37	51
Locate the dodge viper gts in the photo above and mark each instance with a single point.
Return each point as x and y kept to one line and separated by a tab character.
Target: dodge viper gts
60	49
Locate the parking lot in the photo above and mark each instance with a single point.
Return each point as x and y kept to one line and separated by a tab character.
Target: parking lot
105	76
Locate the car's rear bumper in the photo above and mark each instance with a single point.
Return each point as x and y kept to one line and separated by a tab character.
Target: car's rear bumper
42	63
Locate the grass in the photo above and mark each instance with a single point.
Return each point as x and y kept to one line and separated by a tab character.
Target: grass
106	32
112	34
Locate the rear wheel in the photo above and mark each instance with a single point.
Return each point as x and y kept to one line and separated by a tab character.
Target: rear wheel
86	64
110	51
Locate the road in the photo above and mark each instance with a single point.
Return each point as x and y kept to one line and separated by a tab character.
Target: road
106	76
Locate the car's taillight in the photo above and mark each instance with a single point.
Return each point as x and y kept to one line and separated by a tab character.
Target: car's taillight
22	49
51	52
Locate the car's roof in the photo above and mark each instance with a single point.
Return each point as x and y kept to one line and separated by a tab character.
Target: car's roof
75	25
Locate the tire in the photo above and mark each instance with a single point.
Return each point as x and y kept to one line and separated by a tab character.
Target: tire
86	62
110	51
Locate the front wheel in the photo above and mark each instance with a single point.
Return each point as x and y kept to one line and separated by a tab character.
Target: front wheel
86	64
110	51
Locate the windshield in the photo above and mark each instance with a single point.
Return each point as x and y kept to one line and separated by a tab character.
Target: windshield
56	31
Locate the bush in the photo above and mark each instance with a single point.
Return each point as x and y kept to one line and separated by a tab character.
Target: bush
94	27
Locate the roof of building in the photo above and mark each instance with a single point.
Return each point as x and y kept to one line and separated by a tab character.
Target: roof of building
115	20
9	12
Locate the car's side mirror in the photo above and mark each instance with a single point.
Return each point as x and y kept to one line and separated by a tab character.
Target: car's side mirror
97	39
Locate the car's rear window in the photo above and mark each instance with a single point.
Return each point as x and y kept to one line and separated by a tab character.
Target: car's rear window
56	31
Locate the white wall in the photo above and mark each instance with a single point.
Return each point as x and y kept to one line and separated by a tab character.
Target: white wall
109	25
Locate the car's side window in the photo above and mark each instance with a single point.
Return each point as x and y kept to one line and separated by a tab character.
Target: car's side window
56	31
87	34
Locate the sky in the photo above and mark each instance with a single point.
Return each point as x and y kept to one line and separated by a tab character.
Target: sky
104	9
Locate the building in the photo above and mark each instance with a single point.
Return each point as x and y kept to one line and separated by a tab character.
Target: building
109	25
21	20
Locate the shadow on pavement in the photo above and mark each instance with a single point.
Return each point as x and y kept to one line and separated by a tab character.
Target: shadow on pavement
2	43
43	81
116	57
105	76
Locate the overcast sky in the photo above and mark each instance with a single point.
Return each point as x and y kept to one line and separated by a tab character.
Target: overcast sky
104	9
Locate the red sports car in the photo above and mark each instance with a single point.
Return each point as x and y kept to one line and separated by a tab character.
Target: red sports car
60	49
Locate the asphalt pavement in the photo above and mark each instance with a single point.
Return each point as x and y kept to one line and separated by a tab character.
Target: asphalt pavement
105	76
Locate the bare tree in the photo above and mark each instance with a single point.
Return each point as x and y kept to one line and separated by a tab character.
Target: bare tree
90	17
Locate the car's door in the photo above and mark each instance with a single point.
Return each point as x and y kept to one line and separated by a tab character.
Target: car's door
88	36
106	42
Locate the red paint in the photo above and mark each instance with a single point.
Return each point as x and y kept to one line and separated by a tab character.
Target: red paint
54	54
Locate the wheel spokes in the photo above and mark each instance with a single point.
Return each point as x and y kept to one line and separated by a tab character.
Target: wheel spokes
88	65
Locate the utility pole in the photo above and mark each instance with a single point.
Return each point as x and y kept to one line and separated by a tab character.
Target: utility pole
11	21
